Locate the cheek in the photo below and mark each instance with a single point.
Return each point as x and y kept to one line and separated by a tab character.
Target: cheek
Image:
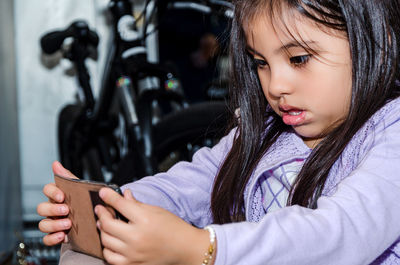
332	100
273	102
331	87
264	82
342	94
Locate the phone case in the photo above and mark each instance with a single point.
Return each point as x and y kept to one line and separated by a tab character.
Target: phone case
82	196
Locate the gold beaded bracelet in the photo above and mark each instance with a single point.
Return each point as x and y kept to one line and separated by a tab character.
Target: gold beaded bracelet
210	251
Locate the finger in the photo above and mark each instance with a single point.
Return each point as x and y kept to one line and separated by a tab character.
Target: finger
58	169
114	227
50	226
53	239
102	212
111	242
126	207
114	257
47	209
128	195
53	193
111	211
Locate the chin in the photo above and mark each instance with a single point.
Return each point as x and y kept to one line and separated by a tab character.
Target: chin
308	135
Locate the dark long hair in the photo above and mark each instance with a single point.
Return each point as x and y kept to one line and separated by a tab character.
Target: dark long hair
373	31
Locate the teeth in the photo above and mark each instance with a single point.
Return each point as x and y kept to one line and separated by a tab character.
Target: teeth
294	113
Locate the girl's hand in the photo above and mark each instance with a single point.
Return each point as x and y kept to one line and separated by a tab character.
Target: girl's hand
55	210
152	236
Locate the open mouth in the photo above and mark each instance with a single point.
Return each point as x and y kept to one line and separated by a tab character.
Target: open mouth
294	113
292	116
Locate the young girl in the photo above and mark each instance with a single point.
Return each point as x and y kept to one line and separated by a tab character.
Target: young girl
310	172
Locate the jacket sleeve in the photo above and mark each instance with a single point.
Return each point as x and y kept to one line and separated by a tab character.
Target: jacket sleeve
353	226
186	188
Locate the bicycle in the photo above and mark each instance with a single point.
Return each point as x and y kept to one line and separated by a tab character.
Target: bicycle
148	142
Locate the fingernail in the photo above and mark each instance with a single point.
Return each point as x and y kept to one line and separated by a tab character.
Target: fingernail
63	209
65	224
98	224
101	193
60	235
59	197
96	209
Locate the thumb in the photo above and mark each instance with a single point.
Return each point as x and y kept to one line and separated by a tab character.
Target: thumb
125	206
58	169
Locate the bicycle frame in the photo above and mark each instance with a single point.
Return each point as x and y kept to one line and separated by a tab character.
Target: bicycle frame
94	126
131	51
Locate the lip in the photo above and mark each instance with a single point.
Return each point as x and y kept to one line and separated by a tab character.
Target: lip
286	108
292	115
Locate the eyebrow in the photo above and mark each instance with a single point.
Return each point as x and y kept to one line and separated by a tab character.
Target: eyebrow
284	47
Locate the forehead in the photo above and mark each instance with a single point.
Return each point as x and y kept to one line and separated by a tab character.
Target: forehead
271	13
286	25
280	20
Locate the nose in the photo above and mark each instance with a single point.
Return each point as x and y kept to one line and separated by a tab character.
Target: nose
279	84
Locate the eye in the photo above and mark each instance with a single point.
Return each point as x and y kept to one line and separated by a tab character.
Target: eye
259	63
299	61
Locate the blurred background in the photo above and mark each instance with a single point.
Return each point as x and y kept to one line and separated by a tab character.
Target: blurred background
33	90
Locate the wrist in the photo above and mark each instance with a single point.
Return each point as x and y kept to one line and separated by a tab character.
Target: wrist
199	246
209	255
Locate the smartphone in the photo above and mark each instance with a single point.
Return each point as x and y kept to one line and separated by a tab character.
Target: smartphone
94	195
93	188
82	196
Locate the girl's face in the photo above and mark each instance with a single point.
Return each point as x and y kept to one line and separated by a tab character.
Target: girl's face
311	92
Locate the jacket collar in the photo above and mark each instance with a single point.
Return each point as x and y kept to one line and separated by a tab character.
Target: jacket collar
289	146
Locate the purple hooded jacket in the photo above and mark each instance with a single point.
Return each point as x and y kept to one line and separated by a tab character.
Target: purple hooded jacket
357	220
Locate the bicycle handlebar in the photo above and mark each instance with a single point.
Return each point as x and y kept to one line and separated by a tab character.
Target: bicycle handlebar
79	30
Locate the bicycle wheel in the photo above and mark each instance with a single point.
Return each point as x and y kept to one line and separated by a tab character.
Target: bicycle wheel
177	136
66	121
191	128
85	164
